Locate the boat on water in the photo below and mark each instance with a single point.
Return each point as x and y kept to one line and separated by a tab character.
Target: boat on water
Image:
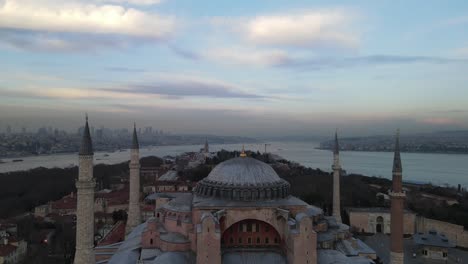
17	160
105	155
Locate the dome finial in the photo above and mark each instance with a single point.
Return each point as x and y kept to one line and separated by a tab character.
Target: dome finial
243	155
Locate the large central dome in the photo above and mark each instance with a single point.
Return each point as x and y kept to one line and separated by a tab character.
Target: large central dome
245	179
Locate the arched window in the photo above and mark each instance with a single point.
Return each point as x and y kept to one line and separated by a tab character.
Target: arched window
151	241
267	240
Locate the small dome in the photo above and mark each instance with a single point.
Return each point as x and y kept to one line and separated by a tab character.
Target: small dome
243	179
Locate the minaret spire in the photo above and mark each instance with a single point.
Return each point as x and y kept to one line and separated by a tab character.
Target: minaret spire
336	180
397	158
396	215
336	149
135	144
84	253
134	213
242	154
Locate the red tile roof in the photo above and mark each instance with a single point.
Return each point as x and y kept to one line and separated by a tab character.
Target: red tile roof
117	234
66	202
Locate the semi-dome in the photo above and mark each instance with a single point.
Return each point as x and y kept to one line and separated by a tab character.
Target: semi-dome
244	179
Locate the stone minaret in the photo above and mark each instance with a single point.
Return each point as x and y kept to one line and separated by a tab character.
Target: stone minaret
207	149
336	180
134	214
85	184
397	197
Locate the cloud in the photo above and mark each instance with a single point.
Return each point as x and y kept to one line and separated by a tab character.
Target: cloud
247	56
303	29
370	60
80	17
463	52
134	2
184	53
78	26
125	69
441	121
187	87
454	21
64	42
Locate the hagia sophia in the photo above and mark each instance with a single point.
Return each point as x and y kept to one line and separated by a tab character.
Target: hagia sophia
242	212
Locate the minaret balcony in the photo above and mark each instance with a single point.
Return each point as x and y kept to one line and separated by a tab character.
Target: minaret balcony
336	167
397	194
90	184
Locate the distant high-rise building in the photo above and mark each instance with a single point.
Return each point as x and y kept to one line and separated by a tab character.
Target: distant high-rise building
148	130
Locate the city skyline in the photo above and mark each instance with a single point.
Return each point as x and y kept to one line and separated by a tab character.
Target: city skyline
246	68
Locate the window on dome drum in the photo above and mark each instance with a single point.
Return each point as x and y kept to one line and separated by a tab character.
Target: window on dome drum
249	227
240	228
231	240
249	240
258	240
276	240
257	227
240	240
151	241
267	240
267	228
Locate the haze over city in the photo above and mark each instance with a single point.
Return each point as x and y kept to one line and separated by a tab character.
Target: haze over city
238	68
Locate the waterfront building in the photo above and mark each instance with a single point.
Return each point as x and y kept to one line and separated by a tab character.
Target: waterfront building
242	212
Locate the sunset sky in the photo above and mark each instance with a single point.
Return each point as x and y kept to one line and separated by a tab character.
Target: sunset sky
236	67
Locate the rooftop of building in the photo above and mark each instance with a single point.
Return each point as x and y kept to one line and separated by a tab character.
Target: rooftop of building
336	257
170	175
200	202
243	179
180	203
432	238
374	210
243	171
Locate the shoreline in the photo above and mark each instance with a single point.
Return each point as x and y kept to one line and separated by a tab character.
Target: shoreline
391	151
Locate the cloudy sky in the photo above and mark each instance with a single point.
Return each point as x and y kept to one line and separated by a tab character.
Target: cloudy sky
273	67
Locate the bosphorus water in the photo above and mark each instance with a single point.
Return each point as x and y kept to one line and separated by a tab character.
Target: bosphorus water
438	169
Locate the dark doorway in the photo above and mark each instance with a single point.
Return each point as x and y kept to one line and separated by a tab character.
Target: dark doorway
379	227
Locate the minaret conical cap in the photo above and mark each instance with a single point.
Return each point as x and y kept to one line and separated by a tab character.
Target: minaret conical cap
336	149
397	158
135	144
86	148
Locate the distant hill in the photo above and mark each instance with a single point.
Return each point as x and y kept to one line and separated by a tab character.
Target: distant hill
436	142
